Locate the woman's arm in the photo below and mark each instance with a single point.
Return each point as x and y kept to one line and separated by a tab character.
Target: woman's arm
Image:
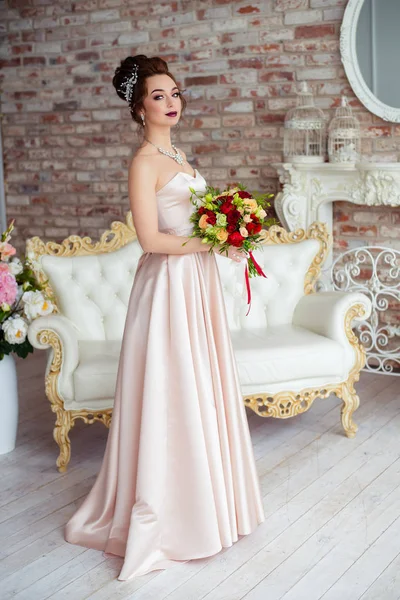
142	182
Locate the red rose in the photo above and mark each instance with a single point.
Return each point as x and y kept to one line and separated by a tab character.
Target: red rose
212	219
231	228
253	228
235	239
233	216
226	207
244	194
201	210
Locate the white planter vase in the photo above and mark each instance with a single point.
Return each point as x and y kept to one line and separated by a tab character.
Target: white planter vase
8	404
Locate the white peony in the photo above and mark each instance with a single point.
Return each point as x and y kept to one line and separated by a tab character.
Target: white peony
15	266
15	330
35	305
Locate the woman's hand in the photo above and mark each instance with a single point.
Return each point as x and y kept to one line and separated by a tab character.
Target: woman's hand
236	254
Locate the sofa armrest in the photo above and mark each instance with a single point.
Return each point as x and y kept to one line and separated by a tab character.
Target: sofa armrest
64	345
325	313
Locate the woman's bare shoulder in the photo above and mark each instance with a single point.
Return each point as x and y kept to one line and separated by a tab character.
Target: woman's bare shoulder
142	171
142	161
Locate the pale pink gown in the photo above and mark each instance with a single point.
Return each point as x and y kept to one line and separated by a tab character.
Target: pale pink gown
178	479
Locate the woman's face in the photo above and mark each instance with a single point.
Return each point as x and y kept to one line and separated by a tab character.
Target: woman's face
162	98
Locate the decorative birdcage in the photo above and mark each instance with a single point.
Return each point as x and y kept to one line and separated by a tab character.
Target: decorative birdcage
344	139
305	130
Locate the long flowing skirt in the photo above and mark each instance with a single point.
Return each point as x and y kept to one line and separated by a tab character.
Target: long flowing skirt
178	479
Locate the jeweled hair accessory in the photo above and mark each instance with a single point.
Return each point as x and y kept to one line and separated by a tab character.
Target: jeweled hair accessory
128	84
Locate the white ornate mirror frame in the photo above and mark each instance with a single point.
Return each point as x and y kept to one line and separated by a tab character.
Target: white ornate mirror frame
351	65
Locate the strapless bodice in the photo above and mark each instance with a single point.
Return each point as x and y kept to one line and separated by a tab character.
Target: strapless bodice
174	205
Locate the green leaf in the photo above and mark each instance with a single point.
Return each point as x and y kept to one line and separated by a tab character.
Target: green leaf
21	350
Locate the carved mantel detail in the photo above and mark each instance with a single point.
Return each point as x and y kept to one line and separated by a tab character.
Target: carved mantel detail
309	189
375	188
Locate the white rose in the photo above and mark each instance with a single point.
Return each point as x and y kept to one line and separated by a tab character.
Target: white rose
15	266
35	305
243	232
15	330
261	214
247	219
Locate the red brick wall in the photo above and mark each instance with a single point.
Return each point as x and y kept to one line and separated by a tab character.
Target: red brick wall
68	138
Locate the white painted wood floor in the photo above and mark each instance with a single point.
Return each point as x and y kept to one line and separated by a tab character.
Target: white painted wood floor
332	528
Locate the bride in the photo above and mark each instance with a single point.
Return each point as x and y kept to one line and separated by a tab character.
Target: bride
178	479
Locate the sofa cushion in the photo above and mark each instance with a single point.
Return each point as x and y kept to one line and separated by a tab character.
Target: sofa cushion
280	354
96	374
285	353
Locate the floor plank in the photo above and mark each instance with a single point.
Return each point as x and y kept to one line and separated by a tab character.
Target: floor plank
287	509
387	585
332	508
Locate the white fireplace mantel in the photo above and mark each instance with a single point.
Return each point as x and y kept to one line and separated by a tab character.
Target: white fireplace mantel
309	190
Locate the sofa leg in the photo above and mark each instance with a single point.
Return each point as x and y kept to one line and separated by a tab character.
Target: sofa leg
60	434
350	403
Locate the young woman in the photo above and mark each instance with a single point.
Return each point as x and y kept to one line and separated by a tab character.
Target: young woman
178	479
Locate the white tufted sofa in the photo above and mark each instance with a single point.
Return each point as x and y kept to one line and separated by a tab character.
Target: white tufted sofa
293	346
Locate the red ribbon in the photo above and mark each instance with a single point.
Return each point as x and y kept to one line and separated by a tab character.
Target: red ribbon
259	271
248	289
257	266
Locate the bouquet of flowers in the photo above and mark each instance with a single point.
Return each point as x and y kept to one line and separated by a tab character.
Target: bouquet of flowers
21	299
233	217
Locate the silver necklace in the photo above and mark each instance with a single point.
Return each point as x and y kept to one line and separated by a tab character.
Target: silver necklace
177	156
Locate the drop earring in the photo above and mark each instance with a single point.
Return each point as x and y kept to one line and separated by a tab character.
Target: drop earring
142	117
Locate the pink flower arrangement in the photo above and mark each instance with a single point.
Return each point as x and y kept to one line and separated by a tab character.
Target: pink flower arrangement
8	285
21	299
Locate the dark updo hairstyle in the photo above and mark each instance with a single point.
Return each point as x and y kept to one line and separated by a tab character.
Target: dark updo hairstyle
147	66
